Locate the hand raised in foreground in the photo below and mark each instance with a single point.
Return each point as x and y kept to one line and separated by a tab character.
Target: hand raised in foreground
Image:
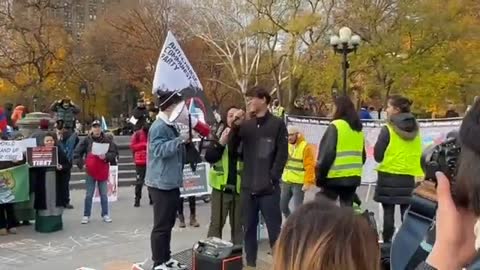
454	231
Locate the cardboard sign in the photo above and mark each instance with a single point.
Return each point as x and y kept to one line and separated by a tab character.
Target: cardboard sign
42	156
195	183
10	151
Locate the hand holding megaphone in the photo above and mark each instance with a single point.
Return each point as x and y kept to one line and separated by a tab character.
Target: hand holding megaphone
180	114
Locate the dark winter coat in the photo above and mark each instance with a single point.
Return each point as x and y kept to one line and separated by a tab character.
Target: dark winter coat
395	188
451	114
326	156
66	114
85	147
141	114
364	114
265	153
39	174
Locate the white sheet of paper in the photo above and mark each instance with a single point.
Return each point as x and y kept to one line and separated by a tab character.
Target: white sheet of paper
133	120
28	143
100	148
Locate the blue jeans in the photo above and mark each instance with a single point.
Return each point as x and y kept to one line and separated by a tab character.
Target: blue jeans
289	191
103	190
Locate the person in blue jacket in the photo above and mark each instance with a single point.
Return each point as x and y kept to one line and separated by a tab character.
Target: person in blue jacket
164	177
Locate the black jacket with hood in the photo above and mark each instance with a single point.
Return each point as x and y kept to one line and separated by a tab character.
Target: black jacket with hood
395	188
326	156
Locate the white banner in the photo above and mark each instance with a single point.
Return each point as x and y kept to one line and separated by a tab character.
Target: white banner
431	130
173	71
11	150
112	186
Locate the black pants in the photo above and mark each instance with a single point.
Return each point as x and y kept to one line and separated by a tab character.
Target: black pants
165	203
7	216
389	220
269	207
141	170
64	184
346	194
192	204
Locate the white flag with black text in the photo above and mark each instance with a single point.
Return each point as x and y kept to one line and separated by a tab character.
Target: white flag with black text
173	71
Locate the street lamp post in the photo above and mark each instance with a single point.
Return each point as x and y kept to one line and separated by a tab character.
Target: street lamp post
94	96
334	90
35	100
344	44
83	93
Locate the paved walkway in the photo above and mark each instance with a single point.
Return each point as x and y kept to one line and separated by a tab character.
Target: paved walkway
96	245
112	246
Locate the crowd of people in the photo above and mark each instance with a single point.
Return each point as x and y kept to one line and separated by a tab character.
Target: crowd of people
48	187
259	166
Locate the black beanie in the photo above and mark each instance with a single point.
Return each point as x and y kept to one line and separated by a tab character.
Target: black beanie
470	129
168	98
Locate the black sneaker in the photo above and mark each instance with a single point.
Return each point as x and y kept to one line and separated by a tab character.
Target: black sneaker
137	203
68	206
171	265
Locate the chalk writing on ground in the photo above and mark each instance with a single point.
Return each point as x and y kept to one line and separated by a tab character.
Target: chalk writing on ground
42	250
15	259
134	234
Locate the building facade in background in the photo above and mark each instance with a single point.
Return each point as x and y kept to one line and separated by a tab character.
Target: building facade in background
75	15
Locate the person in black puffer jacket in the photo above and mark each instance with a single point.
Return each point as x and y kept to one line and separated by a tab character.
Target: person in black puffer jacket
398	150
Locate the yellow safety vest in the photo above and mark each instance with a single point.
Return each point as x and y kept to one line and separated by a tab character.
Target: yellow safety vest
349	156
278	111
294	171
402	156
218	174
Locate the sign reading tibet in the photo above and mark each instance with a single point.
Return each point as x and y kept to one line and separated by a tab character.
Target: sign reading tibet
42	156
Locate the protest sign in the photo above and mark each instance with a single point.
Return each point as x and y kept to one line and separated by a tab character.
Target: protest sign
195	183
112	186
432	131
42	156
26	143
173	71
14	184
10	151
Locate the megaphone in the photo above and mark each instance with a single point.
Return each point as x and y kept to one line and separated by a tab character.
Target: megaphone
180	114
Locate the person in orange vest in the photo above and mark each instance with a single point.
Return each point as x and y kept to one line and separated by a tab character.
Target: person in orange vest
299	173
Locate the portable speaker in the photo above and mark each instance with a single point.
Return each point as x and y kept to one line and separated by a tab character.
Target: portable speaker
216	254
